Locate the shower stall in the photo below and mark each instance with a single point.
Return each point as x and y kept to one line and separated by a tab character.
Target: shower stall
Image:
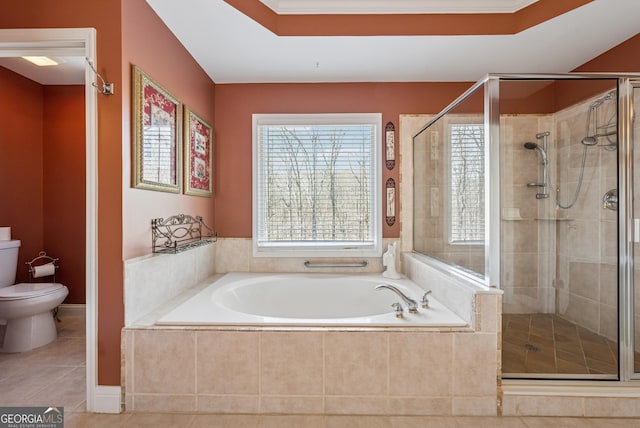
527	183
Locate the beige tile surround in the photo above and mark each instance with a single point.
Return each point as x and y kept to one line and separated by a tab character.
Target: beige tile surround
365	371
310	372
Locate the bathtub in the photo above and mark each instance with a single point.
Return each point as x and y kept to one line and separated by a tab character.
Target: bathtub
301	299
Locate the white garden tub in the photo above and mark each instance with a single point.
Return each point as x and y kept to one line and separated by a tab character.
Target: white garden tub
300	299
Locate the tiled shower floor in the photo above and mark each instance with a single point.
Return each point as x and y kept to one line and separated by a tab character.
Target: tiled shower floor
545	343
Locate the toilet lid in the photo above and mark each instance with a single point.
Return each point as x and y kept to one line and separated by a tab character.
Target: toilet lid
29	289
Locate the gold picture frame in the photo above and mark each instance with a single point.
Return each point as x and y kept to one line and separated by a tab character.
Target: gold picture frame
157	135
198	155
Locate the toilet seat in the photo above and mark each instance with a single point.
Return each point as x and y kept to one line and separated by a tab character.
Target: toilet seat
28	290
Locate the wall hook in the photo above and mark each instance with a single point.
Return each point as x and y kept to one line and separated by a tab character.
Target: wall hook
107	88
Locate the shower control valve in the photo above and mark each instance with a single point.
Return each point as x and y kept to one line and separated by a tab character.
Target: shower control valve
425	300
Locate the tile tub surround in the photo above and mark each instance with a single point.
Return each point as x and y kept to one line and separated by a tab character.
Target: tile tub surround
236	255
311	371
152	280
320	370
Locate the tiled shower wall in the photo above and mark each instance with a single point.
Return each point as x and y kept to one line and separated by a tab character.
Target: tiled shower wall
561	261
553	260
587	240
528	229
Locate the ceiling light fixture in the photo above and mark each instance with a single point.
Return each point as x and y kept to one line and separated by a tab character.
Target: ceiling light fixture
42	61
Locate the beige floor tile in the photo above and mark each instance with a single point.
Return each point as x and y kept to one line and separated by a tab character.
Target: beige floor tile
423	422
358	422
225	421
94	420
560	422
489	422
159	420
291	421
71	326
68	391
613	423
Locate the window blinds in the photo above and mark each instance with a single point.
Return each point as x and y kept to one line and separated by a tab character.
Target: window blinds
316	184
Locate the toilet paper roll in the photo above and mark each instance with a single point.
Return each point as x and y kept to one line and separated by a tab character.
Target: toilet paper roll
5	234
44	270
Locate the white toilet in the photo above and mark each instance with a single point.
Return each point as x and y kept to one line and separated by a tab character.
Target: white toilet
25	309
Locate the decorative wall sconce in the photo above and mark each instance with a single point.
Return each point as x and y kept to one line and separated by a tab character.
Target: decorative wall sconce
107	88
390	145
390	188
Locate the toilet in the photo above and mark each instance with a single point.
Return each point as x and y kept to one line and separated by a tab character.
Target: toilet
25	309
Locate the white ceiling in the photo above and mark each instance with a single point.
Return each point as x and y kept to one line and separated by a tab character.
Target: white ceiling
289	7
232	48
69	72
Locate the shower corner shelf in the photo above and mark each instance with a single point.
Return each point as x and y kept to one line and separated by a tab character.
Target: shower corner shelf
179	233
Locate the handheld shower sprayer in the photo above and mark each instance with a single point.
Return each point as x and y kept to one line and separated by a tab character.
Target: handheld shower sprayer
543	194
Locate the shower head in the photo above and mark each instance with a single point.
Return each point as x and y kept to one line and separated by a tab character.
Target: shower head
589	141
533	146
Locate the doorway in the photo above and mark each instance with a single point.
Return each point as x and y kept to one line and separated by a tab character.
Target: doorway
80	43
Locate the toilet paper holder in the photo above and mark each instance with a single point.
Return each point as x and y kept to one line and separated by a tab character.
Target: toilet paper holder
43	265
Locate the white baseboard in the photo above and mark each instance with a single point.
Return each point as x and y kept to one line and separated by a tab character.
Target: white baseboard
72	309
106	399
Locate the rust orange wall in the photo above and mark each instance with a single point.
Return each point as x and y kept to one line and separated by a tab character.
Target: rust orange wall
42	170
21	167
64	185
42	175
148	44
622	58
105	17
235	103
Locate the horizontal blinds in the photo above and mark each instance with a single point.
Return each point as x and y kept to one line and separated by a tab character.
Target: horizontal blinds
467	183
315	183
159	155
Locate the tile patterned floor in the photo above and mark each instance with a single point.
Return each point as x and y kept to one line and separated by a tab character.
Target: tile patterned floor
546	343
55	374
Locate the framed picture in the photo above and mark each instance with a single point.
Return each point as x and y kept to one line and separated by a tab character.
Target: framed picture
198	155
157	134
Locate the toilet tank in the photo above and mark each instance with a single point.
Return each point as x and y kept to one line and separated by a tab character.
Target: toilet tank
8	262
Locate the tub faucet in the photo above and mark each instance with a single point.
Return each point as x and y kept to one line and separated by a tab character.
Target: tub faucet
412	305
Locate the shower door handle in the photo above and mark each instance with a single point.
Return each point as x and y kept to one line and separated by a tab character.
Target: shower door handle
610	200
636	230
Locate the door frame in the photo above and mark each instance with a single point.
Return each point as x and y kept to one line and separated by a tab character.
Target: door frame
77	42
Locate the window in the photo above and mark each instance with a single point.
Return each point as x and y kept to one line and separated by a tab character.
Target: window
316	185
466	199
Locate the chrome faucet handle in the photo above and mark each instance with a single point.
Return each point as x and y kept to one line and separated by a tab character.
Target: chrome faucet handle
412	305
425	300
397	307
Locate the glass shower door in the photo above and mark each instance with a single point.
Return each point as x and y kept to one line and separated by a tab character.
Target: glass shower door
634	319
559	234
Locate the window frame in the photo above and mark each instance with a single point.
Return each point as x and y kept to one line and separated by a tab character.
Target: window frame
374	249
450	240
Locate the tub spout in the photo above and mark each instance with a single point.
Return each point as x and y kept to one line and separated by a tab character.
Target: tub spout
412	305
